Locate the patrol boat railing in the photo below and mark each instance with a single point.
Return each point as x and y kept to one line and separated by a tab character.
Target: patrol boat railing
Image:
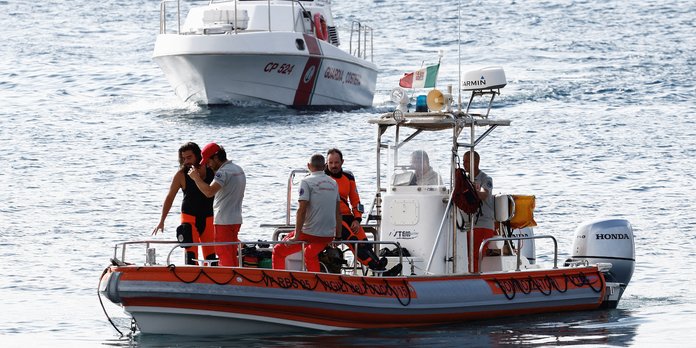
151	252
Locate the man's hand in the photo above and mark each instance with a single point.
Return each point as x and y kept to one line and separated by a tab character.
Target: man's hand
159	227
354	226
295	236
193	173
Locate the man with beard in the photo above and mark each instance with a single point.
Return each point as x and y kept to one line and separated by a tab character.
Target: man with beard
196	208
351	213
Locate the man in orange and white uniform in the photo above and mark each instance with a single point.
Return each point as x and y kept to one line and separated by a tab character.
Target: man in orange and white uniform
351	213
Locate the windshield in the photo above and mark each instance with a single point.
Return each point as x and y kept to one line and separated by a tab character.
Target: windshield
418	166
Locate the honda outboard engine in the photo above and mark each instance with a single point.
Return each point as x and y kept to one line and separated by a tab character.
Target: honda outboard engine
607	241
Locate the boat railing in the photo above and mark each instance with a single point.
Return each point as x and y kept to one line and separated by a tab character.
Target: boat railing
150	258
518	239
371	232
150	253
361	36
163	16
288	202
297	16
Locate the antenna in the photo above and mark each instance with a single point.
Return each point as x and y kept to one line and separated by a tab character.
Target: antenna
459	49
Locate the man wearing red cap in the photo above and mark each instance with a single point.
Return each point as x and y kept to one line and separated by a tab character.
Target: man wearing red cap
228	188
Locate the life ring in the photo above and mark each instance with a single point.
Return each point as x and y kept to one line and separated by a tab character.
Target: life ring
320	29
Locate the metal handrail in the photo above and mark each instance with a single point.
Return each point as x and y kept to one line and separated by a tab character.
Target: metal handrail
147	244
163	14
362	40
518	239
288	205
185	245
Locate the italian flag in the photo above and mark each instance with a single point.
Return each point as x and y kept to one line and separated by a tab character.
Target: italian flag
423	78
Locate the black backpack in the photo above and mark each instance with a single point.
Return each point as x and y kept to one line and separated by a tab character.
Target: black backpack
465	197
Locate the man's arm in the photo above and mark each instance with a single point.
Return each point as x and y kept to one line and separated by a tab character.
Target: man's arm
355	200
300	219
169	200
339	227
208	190
357	207
483	191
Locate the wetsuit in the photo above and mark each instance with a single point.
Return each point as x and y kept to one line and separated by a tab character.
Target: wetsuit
348	191
197	210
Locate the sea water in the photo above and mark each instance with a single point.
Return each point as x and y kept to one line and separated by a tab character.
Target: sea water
601	96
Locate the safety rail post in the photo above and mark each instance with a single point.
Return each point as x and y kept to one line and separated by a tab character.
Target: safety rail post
269	16
359	41
518	239
372	45
289	193
163	16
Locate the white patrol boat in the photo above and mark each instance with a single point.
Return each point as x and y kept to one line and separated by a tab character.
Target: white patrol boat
422	230
264	52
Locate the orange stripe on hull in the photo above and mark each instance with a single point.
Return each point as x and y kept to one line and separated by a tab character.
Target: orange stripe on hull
265	278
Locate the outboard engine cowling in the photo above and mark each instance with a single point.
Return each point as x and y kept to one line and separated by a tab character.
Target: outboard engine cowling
607	241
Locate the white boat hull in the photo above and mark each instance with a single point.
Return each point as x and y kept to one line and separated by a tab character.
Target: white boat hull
229	301
222	69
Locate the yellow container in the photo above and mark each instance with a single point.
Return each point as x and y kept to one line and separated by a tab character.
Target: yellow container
524	212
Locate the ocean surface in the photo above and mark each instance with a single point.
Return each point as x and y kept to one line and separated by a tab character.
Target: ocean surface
601	95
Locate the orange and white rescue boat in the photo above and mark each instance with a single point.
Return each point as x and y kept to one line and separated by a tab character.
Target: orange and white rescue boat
438	283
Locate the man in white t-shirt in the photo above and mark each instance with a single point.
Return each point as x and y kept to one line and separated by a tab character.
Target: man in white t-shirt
318	220
228	187
484	224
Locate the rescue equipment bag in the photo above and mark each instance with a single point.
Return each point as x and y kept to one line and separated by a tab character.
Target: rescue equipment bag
332	259
184	233
465	197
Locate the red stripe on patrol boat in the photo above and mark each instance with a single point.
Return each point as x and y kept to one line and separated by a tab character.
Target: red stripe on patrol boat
308	79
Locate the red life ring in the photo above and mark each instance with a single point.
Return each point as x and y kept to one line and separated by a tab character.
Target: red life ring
320	29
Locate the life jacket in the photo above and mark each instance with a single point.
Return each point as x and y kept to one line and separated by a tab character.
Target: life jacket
465	197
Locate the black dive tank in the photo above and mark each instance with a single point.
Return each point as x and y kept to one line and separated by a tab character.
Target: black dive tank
607	241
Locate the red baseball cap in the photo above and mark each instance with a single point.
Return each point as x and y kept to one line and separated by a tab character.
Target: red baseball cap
208	151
